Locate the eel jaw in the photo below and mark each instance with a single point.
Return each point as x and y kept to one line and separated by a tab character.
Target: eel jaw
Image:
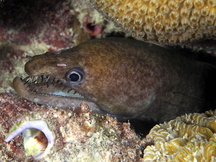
46	89
47	85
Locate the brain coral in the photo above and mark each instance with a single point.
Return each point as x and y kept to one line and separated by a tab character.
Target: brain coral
163	21
190	137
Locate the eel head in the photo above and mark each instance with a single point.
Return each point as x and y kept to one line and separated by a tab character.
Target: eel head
126	78
95	72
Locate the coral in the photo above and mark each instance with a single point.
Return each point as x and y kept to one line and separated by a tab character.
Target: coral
163	21
79	136
92	21
190	137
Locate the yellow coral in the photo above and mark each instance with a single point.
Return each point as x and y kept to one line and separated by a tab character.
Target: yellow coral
190	137
163	21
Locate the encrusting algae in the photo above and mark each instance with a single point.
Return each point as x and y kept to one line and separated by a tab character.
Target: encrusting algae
163	21
79	136
190	137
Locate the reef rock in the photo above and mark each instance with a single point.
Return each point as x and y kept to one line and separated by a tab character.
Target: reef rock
79	136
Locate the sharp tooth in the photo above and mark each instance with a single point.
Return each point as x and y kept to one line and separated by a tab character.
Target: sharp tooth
34	79
35	82
69	90
60	85
50	81
25	79
58	82
64	88
37	89
53	81
43	77
47	79
39	79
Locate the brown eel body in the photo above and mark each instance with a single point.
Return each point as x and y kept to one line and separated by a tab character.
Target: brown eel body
125	78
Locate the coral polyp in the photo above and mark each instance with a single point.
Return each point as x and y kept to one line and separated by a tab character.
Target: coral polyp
190	137
162	21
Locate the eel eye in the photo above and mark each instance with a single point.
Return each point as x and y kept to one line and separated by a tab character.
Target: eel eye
75	76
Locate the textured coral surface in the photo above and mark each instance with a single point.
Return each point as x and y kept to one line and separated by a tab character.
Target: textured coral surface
80	136
163	21
190	137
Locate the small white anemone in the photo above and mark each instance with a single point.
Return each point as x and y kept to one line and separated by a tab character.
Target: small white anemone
38	138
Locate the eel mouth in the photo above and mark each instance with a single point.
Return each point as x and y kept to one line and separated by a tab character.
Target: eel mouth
45	85
50	91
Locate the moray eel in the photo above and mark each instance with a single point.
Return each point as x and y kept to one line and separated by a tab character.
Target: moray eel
125	78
